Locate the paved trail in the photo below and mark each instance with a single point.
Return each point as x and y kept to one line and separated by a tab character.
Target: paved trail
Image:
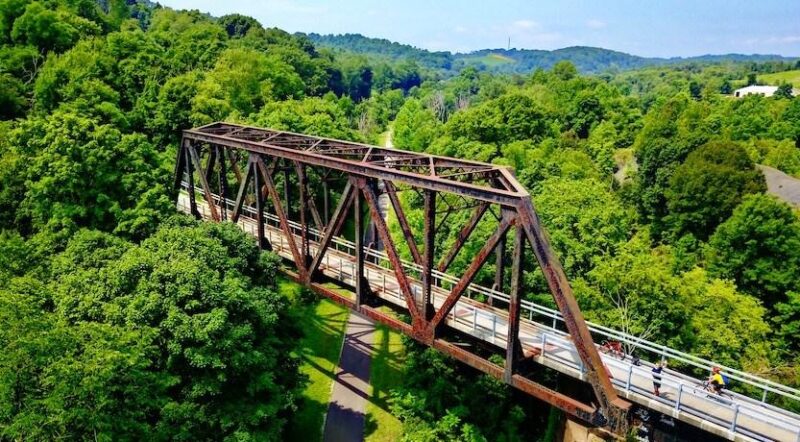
346	410
785	187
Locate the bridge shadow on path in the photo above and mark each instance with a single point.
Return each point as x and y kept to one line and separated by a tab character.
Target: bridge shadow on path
352	391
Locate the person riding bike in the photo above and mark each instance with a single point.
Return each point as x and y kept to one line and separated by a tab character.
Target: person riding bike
716	380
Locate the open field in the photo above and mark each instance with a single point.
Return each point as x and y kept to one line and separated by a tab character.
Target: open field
777	78
491	59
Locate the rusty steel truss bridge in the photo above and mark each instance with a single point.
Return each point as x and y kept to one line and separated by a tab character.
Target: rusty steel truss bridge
312	199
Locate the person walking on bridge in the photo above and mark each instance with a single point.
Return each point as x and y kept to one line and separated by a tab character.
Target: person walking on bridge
657	369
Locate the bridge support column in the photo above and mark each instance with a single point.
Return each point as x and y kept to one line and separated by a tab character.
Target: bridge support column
500	267
513	345
362	286
190	179
258	182
424	304
302	182
287	195
223	183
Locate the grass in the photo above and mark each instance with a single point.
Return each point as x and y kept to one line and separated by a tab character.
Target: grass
777	78
385	375
323	324
490	60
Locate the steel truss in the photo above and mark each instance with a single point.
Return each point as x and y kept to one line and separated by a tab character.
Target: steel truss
271	167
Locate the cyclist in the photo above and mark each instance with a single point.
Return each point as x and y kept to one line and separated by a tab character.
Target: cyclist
716	380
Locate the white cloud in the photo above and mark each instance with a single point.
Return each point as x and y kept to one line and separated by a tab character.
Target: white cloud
596	24
773	40
525	24
460	29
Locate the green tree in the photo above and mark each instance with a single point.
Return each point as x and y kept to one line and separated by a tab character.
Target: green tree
785	90
237	25
565	70
222	334
759	248
584	219
415	126
82	173
706	188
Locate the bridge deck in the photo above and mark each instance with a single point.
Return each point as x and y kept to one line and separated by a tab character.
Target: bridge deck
735	417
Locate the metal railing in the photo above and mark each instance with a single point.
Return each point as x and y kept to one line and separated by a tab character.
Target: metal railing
738	414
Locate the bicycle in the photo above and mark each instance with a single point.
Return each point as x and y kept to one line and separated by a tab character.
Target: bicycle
715	394
612	347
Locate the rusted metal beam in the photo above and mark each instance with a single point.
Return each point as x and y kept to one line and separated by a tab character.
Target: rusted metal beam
367	169
212	159
469	274
499	266
429	209
362	287
575	408
613	407
190	182
403	221
312	207
465	232
234	164
334	227
242	193
212	207
389	248
222	178
302	184
283	220
259	208
513	345
180	166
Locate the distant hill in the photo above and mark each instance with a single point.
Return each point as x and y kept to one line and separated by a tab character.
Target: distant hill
586	59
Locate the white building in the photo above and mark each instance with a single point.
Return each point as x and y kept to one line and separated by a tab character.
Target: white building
764	91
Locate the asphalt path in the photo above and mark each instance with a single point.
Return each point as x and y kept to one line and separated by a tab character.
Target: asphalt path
346	410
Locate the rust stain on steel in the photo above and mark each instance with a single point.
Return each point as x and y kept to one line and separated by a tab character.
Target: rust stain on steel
470	273
612	405
403	221
334	227
480	184
388	244
465	232
578	409
284	221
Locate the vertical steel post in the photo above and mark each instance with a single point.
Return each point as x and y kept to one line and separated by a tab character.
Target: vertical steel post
513	346
258	182
190	180
424	304
500	267
287	195
302	183
223	183
358	213
325	200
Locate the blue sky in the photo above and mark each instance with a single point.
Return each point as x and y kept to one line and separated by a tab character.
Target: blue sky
645	27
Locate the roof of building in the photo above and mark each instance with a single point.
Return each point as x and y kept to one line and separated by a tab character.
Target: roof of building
758	89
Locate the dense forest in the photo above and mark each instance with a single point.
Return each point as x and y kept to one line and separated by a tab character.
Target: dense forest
512	60
122	320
